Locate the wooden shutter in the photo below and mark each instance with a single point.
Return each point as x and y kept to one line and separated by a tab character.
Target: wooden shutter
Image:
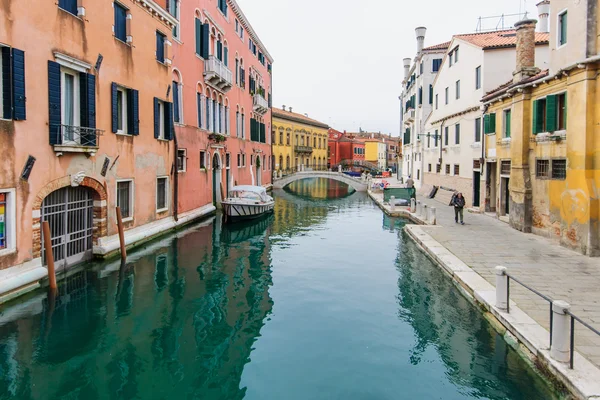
430	94
493	123
220	50
226	56
198	36
535	128
486	124
7	112
87	99
133	112
113	108
205	40
18	85
156	118
551	122
176	116
54	97
169	131
508	124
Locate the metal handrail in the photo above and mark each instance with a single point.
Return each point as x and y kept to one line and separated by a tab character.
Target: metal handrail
551	301
79	136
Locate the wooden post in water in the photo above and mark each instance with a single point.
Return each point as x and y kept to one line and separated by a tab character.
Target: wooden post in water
49	255
121	234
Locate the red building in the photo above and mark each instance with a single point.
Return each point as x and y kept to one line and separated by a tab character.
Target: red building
344	149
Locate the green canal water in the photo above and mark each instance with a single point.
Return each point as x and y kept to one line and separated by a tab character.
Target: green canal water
326	299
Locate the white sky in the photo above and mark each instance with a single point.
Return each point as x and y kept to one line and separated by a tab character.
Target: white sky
340	61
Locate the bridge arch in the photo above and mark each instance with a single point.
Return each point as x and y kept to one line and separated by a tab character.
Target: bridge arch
357	184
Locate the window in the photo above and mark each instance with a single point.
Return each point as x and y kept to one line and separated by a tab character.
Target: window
181	160
223	6
450	59
162	194
447	169
421	68
227	160
507	123
489	123
438	168
122	111
163	120
120	28
478	78
447	95
203	160
559	169
177	103
7	220
243	160
174	11
239	160
505	167
12	83
435	139
125	198
436	102
71	110
562	28
457	134
421	96
68	5
456	169
477	130
428	139
436	64
446	136
542	169
457	90
160	47
561	109
429	168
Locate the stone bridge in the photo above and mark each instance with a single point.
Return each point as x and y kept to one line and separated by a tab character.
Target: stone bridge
356	183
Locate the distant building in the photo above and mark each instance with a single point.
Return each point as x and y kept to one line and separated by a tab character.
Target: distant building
344	150
298	141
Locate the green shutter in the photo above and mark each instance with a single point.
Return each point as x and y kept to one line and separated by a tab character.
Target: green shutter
508	124
493	123
551	113
565	110
534	126
486	124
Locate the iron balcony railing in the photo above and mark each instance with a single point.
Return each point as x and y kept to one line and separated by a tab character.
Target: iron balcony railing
216	68
79	136
303	149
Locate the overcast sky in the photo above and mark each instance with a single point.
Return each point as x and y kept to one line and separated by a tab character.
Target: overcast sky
340	61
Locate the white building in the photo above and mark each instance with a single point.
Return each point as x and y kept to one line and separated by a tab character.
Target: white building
417	102
473	65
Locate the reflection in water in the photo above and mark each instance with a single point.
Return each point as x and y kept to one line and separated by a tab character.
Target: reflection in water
361	313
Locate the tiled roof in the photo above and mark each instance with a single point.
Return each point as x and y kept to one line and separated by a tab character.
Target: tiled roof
298	118
508	85
499	39
441	46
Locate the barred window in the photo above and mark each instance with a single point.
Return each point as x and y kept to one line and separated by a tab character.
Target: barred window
456	169
559	169
447	169
477	164
438	168
542	169
161	194
124	198
505	167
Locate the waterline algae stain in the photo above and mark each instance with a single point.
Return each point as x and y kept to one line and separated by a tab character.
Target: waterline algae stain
325	299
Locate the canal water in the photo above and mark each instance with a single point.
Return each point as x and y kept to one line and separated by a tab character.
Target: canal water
326	299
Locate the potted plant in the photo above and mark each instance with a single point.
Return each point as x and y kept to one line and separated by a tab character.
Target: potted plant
217	137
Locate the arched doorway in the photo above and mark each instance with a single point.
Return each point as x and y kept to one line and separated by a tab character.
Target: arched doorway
258	172
70	214
216	164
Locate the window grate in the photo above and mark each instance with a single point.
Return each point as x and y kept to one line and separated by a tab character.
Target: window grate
438	168
456	169
447	169
542	168
477	164
559	169
505	167
161	193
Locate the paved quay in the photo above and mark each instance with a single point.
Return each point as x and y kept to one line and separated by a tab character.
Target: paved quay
485	242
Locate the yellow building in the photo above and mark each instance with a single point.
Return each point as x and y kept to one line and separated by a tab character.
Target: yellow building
542	158
376	152
298	141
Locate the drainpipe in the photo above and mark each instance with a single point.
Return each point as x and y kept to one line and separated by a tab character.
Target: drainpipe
441	143
175	181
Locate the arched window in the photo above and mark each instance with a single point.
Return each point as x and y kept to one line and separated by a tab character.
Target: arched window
177	94
225	53
200	106
287	162
243	123
281	137
280	161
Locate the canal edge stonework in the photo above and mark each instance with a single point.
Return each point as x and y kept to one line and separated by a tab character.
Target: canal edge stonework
583	382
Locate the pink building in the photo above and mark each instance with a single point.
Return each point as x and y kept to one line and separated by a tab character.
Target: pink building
221	90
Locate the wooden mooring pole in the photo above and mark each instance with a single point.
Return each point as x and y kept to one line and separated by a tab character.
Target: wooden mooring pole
121	234
49	255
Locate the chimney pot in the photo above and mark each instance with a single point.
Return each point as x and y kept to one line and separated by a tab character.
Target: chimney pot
543	13
283	107
406	62
525	50
420	32
290	109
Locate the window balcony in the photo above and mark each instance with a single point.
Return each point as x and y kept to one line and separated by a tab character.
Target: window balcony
261	105
77	139
303	149
217	74
409	116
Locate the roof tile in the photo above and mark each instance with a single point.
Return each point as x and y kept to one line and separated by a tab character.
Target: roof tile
499	39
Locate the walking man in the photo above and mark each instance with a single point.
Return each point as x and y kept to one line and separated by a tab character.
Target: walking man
458	201
410	183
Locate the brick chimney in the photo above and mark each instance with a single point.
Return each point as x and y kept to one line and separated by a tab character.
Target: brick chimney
525	50
543	13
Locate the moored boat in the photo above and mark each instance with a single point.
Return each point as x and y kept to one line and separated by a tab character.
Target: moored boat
247	202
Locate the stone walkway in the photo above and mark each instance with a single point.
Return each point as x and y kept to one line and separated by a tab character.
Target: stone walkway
484	243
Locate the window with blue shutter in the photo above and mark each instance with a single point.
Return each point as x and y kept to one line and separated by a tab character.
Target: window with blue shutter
436	64
54	99
18	85
219	50
114	110
205	40
168	119
68	5
226	56
157	125
6	97
87	90
133	112
457	134
160	47
421	96
198	28
430	94
176	110
199	106
120	22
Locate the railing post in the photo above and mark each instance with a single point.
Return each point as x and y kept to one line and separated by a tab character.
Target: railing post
49	255
418	208
413	205
502	289
425	212
560	350
340	169
432	216
393	203
121	234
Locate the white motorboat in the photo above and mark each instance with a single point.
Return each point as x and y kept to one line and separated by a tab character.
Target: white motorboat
247	202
